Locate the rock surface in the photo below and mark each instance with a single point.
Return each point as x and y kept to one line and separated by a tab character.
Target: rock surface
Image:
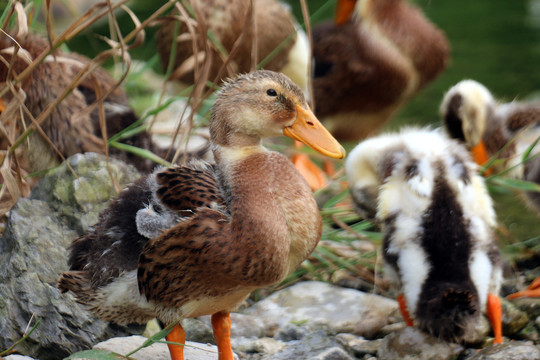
312	303
518	350
33	252
410	343
156	351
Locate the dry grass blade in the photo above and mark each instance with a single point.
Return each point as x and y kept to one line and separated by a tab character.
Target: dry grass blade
307	23
21	20
254	44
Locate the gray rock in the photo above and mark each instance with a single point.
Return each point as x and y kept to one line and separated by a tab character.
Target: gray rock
33	252
156	351
514	317
515	350
198	330
313	302
529	332
531	306
357	345
79	199
291	332
17	357
242	325
412	344
391	328
315	346
263	345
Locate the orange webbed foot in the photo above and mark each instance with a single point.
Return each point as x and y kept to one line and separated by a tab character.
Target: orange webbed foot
533	290
178	336
404	311
221	323
494	313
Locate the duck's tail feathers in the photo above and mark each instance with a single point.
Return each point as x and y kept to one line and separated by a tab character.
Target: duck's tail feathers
78	282
448	311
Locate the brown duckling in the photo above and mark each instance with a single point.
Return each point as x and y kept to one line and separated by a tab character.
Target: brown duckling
437	222
228	21
69	127
375	57
196	240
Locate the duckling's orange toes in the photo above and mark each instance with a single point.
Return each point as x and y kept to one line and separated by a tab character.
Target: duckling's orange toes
177	335
404	311
494	313
533	290
221	323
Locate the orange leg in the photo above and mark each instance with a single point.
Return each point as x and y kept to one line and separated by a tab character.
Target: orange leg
221	323
344	10
177	335
404	312
313	174
494	313
533	290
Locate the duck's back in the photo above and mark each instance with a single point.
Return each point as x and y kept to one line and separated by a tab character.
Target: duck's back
113	245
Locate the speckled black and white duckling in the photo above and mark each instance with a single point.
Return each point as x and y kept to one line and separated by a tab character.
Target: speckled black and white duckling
490	128
197	240
437	219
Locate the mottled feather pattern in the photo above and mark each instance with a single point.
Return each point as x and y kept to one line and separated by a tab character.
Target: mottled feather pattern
437	221
185	188
113	245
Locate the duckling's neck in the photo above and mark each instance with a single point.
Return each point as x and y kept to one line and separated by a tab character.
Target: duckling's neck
233	147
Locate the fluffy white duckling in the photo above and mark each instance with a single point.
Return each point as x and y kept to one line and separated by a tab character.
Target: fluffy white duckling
490	128
437	219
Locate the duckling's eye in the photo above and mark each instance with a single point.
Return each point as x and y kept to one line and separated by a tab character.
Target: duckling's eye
271	92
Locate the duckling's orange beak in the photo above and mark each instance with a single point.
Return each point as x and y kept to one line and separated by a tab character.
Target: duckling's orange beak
479	154
344	9
309	130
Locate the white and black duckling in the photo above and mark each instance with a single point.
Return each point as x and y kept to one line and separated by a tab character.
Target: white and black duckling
437	219
70	127
196	240
376	56
280	44
489	128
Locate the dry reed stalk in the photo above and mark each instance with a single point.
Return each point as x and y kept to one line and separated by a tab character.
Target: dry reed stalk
14	182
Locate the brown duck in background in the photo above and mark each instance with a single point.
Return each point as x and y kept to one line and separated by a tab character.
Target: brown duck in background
196	240
376	56
228	21
69	127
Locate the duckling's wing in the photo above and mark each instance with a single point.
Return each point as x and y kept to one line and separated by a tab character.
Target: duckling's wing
187	260
523	117
188	188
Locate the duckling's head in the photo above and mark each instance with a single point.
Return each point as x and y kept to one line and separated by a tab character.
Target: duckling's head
465	111
265	104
